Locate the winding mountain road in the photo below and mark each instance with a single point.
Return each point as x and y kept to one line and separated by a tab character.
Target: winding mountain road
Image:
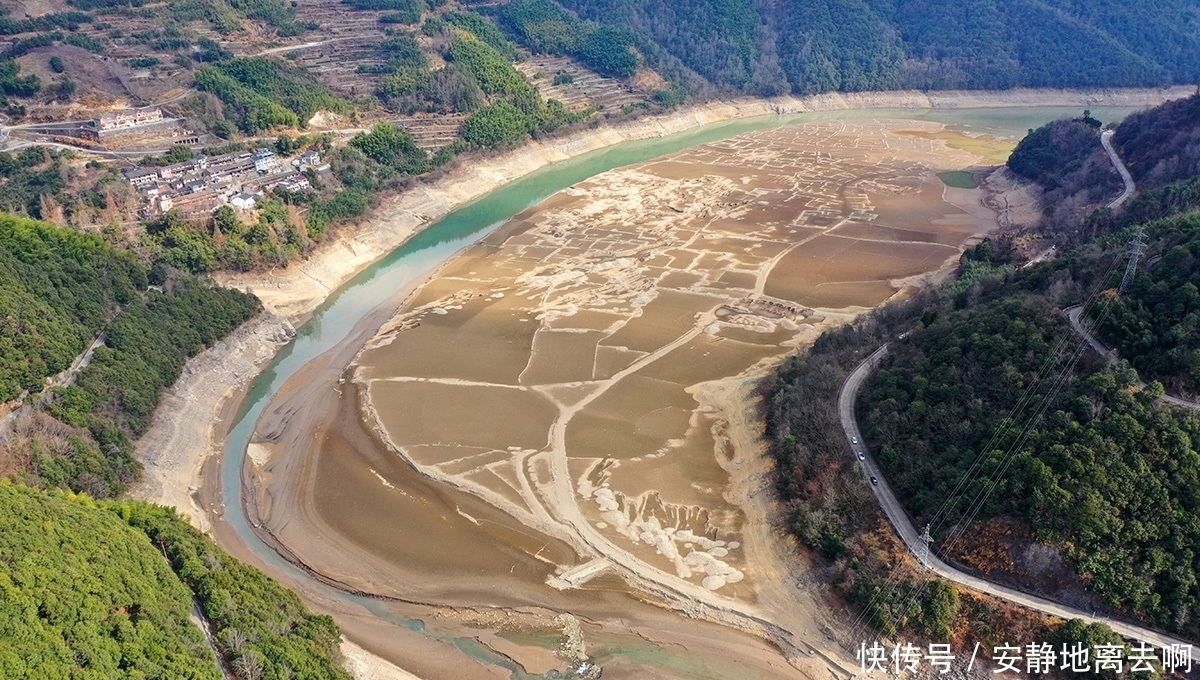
1073	315
1106	142
909	534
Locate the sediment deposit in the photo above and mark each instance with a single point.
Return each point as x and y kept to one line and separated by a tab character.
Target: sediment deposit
567	384
192	429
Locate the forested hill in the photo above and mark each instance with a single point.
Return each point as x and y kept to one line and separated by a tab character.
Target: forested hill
103	590
1034	461
1160	146
821	45
99	589
1041	471
981	422
1156	325
59	290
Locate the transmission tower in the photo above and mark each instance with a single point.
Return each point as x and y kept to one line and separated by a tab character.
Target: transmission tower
926	539
1135	251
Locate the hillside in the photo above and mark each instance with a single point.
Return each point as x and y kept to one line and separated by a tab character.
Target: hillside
105	590
1087	464
1035	462
84	592
1160	146
105	50
1156	326
928	44
60	290
310	112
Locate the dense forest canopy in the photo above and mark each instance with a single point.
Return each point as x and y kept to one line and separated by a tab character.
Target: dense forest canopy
261	629
104	589
58	289
930	44
87	596
981	413
545	27
1156	326
1105	473
1053	153
100	590
1162	145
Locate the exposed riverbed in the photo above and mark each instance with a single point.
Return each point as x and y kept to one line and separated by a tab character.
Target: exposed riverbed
450	541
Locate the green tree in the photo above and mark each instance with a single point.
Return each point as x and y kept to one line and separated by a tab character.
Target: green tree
226	221
393	147
497	125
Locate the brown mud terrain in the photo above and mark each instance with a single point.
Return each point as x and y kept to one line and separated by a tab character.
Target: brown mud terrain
562	420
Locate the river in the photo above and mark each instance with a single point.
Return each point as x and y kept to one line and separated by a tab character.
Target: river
333	321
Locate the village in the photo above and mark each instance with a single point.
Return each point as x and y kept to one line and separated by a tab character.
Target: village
200	185
194	187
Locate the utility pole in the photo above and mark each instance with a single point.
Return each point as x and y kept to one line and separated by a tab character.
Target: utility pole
1135	251
926	539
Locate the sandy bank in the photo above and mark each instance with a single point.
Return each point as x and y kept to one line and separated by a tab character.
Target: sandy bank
366	666
296	291
184	432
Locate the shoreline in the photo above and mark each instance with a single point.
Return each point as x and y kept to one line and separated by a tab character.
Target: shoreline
188	428
296	292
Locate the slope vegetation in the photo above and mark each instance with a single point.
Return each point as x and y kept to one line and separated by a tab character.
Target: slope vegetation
979	415
87	596
1160	146
1157	325
100	590
59	289
860	45
1034	462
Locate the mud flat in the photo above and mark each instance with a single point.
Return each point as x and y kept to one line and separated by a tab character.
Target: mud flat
702	266
558	419
298	290
209	397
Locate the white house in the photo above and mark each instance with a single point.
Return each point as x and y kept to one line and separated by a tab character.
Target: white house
244	201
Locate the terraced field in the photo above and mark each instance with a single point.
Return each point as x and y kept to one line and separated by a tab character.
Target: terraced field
587	88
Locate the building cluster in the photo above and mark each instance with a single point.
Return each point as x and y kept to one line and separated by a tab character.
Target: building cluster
204	183
131	124
129	118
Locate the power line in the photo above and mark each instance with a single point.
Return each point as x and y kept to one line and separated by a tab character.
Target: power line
1135	251
1052	366
926	539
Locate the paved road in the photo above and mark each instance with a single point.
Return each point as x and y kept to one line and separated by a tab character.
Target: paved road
909	534
1106	142
1073	315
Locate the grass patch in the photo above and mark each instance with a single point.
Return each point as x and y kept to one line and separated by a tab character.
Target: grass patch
995	149
959	179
